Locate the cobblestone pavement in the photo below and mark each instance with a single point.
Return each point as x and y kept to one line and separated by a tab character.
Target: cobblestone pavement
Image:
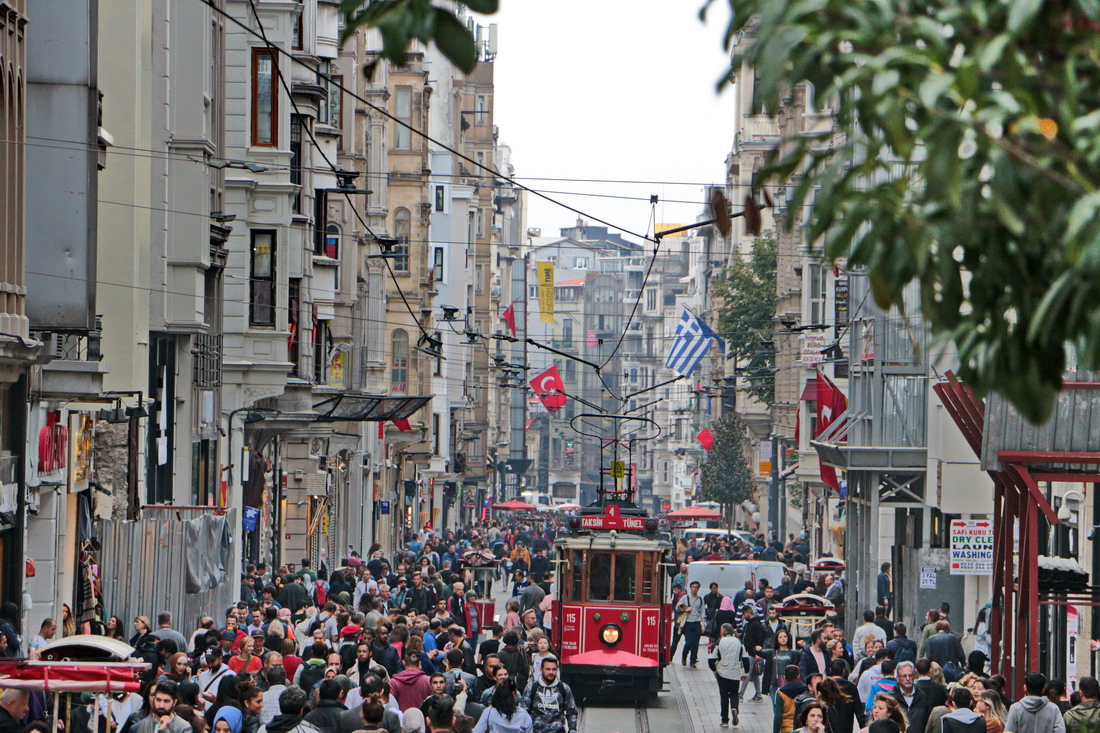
697	694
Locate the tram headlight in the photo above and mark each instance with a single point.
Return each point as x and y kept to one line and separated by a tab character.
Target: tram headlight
611	635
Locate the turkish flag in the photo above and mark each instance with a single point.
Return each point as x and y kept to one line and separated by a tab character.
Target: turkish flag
550	389
831	402
510	318
706	439
403	425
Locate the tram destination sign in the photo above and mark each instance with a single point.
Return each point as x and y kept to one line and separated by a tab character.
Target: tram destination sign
612	518
971	547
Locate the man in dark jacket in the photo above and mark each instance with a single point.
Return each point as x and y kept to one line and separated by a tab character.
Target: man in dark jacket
711	602
330	705
912	700
935	694
13	706
943	647
381	651
901	647
784	708
292	703
753	636
421	597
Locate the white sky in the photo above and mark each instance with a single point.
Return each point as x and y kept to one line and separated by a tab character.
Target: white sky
613	89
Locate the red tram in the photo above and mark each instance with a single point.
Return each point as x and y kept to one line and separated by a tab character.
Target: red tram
613	618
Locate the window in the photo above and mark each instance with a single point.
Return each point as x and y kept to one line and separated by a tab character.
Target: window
480	223
261	308
479	279
320	217
296	33
818	276
329	110
399	362
402	110
265	99
605	295
294	325
580	263
296	160
570	371
440	198
625	578
651	299
481	116
402	230
322	341
532	291
332	242
599	579
437	265
567	332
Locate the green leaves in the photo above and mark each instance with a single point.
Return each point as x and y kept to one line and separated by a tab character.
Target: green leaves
726	476
400	22
966	160
746	311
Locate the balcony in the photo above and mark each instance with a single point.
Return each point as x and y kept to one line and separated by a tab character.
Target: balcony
76	367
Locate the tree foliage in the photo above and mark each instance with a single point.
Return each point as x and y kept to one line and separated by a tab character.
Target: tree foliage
746	311
402	21
969	162
726	477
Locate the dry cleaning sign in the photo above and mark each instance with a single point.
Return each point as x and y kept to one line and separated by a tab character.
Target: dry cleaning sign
971	547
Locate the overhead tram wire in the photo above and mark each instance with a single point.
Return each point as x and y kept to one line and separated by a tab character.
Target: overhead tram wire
386	113
317	146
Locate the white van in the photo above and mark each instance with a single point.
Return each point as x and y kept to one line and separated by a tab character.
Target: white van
730	575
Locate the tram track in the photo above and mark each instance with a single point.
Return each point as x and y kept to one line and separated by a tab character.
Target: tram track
613	719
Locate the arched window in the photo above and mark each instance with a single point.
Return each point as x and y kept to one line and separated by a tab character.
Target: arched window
332	241
399	362
402	231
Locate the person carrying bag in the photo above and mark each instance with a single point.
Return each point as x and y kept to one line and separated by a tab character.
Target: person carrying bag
729	663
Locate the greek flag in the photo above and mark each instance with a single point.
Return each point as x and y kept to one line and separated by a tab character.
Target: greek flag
690	344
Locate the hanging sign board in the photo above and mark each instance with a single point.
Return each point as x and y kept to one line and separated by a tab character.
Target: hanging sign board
972	547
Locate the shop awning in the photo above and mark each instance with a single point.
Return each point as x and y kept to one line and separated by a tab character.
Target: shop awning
809	393
368	408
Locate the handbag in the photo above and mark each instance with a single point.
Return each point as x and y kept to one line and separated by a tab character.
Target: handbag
712	628
757	667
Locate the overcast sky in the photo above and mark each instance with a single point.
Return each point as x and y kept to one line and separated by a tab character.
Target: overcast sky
613	89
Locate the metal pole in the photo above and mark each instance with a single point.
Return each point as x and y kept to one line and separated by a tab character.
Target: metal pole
773	495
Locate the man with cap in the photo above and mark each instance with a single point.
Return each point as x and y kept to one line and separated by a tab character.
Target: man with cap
216	669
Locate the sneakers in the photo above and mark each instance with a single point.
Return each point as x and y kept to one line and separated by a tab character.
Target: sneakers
725	725
758	698
736	718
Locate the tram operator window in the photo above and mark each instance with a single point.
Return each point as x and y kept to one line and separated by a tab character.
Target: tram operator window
577	574
599	576
624	577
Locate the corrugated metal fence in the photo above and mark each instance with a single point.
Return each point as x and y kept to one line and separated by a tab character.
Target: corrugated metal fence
145	565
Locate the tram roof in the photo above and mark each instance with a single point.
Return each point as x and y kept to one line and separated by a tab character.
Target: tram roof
622	541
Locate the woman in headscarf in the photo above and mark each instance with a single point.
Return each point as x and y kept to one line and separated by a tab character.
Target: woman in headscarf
726	614
178	668
228	720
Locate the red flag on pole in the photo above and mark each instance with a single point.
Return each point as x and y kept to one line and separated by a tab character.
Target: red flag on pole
706	439
831	402
550	389
403	425
510	318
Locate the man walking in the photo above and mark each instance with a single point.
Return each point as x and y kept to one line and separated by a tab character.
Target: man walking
1035	713
945	648
729	669
163	719
693	627
886	589
753	636
913	702
166	632
550	701
1086	716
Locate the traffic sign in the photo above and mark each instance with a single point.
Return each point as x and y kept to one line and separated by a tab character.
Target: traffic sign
618	469
971	547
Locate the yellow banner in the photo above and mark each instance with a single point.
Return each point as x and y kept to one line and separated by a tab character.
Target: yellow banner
546	291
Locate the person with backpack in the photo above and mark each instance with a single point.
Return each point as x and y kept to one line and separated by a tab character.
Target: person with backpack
901	648
784	707
550	701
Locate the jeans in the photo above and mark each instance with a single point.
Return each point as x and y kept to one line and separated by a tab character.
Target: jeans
677	634
727	693
693	630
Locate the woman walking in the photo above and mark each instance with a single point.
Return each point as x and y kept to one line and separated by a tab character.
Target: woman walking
504	714
729	669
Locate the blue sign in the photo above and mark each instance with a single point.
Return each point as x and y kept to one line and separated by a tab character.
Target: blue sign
385	507
251	519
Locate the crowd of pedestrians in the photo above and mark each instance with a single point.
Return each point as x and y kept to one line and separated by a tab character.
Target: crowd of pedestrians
885	680
394	644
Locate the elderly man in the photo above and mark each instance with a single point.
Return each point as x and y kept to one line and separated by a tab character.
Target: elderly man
13	706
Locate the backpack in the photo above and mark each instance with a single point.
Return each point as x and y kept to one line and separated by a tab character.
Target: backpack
905	654
319	595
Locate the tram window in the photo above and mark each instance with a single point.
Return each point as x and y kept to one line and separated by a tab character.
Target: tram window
625	576
649	577
599	576
577	584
